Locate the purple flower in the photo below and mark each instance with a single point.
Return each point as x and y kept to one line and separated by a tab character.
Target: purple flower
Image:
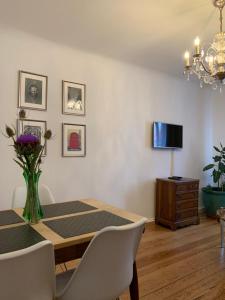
27	139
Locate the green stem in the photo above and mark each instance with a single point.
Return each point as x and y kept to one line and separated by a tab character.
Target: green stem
38	158
32	210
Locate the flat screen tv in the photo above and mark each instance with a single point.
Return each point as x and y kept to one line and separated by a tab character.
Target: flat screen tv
167	135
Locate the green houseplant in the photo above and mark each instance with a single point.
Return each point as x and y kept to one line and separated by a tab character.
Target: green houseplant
214	196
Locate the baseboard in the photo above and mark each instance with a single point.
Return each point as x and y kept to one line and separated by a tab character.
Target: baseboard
151	220
201	211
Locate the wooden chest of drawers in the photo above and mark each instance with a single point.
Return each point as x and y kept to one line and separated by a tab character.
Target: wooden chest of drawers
177	202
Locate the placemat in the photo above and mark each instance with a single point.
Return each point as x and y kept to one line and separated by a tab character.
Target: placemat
8	217
16	238
65	208
77	225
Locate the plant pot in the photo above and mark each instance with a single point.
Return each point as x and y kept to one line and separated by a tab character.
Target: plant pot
212	200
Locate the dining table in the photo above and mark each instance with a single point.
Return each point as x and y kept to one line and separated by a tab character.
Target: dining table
70	226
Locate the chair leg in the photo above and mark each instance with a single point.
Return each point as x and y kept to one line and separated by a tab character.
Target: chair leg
134	292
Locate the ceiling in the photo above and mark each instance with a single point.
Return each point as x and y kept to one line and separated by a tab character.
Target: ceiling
150	33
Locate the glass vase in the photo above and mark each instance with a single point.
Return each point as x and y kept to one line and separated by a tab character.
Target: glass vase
32	212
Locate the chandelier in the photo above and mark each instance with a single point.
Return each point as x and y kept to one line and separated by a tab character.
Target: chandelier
209	64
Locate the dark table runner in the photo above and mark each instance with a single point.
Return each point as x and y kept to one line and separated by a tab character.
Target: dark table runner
16	238
8	217
65	208
87	223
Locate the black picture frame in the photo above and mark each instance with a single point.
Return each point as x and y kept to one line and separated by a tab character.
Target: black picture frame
32	89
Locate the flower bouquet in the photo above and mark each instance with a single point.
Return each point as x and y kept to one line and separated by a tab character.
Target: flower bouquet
28	151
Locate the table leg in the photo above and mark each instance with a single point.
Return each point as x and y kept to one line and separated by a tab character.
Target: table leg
63	255
134	292
222	232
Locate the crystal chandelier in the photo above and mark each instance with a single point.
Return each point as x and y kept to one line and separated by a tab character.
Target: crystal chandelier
209	64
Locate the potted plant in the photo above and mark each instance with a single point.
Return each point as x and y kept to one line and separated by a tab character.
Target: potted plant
214	196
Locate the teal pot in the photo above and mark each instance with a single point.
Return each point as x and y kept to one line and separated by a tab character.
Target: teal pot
212	200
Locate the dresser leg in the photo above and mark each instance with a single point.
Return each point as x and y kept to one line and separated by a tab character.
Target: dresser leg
157	222
173	227
222	233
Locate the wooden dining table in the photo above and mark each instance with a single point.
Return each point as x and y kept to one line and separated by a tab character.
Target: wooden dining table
70	226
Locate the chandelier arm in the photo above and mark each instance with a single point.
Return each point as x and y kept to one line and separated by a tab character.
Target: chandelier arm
205	69
197	74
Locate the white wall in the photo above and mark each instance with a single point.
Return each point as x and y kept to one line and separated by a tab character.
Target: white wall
122	102
218	118
215	133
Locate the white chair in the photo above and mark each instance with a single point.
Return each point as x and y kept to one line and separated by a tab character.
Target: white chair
28	274
45	196
106	268
20	192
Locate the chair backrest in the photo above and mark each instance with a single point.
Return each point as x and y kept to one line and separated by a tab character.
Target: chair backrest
19	196
106	269
28	274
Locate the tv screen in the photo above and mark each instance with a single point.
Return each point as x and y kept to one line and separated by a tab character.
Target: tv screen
167	135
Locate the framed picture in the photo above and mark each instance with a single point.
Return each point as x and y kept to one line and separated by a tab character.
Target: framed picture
74	140
73	98
34	127
32	91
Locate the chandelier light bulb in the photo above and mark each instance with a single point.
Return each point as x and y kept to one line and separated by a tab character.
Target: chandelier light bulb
197	45
197	41
187	58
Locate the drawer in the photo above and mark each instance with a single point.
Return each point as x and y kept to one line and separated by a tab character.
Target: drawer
187	204
186	214
187	187
186	196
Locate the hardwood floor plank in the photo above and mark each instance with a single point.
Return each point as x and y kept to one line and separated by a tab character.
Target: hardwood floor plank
201	289
185	282
186	264
165	276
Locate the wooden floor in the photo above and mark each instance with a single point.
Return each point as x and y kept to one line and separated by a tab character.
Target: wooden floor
186	264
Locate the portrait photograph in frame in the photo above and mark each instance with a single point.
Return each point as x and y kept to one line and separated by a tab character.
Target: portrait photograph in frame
32	91
35	127
73	140
73	98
